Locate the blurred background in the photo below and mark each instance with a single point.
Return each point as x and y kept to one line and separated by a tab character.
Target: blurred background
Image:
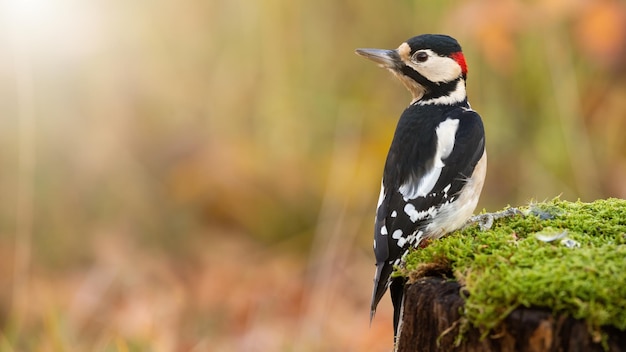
202	175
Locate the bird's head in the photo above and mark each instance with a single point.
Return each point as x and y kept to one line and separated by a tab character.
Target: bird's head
431	66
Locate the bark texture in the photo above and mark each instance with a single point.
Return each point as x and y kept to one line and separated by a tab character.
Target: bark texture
431	323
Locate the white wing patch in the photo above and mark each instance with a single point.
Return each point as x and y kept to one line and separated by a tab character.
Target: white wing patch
453	214
446	133
416	238
416	215
446	189
401	241
420	188
413	214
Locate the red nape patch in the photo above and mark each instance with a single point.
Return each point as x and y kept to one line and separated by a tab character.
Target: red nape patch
460	59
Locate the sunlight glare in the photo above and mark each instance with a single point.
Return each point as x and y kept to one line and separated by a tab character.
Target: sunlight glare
63	28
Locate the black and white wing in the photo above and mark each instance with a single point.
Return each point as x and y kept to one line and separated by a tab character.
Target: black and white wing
428	192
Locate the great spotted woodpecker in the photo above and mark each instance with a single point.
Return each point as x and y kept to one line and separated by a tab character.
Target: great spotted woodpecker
436	164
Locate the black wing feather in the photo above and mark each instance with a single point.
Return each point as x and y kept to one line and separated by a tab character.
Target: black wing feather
410	159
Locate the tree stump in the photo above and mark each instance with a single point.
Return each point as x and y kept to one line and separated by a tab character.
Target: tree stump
431	322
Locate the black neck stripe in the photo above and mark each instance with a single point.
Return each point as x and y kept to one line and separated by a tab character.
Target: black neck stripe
433	89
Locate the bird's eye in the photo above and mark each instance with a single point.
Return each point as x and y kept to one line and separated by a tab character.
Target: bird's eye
420	56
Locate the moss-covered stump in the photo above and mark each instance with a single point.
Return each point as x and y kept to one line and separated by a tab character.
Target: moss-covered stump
433	322
551	277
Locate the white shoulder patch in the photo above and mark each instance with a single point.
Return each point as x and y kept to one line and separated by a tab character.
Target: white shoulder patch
446	134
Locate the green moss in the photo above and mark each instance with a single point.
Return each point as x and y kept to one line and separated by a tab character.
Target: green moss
580	273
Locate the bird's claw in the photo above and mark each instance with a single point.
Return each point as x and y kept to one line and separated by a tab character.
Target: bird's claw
485	221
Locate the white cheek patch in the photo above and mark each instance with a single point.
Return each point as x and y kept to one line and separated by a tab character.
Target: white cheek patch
446	134
437	68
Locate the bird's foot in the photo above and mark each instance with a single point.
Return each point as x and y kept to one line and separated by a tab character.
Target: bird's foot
485	221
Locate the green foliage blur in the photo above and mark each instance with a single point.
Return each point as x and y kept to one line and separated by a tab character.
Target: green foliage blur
178	124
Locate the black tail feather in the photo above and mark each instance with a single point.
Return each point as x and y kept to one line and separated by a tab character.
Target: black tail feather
397	293
381	282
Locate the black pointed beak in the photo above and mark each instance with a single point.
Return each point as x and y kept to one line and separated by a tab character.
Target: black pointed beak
384	58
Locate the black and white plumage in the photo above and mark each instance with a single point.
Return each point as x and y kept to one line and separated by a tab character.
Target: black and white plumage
436	164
